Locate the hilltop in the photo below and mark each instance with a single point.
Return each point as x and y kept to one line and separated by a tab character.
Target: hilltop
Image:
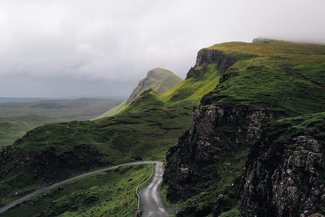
157	79
258	134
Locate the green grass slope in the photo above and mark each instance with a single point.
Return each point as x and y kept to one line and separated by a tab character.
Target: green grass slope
113	111
144	130
192	89
285	78
157	79
12	128
111	193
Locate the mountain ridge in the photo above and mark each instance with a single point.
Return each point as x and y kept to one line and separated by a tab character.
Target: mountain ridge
145	129
212	171
157	79
248	124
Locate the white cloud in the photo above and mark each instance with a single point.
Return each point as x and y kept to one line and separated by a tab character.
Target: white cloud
118	41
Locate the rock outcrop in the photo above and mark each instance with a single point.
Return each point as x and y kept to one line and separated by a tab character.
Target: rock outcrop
205	57
235	160
283	178
284	175
215	131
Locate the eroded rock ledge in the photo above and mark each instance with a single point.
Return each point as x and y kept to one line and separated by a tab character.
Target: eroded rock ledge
214	131
282	179
205	57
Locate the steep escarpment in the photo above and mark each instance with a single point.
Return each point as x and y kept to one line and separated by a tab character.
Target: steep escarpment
206	172
205	57
205	159
285	172
157	79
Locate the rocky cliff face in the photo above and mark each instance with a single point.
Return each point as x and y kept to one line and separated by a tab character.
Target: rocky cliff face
205	57
214	132
234	161
284	177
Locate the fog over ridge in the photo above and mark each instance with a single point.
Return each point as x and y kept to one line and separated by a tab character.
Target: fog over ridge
95	48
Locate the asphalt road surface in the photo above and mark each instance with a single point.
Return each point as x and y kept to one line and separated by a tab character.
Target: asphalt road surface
47	188
150	200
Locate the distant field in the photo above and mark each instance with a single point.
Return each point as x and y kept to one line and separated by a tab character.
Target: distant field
18	115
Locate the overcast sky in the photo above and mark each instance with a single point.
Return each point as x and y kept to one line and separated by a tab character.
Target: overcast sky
89	48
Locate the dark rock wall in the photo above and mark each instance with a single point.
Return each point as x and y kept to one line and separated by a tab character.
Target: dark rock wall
214	131
206	57
282	179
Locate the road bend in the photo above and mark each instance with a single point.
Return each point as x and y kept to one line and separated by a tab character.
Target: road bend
58	184
151	204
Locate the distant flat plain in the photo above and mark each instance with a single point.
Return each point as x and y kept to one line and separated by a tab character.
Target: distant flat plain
19	115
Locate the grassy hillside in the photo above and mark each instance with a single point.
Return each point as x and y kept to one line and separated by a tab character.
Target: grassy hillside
192	89
111	193
12	128
285	76
266	80
158	80
145	130
113	111
285	79
17	116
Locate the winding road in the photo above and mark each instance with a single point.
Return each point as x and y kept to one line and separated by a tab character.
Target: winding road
149	198
150	201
